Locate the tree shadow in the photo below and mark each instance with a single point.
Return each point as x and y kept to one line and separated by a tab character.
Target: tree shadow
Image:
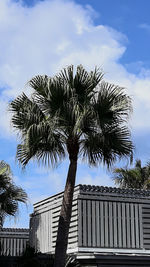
34	242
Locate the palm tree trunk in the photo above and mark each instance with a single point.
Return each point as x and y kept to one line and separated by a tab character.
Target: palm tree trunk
1	221
65	216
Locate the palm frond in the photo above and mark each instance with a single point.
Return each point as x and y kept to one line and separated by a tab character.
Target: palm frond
126	178
82	83
40	84
78	105
10	194
25	113
136	177
66	76
138	164
85	82
112	105
41	143
107	146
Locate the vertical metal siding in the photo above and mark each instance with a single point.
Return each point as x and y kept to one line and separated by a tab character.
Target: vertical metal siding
89	219
109	224
97	224
11	241
84	223
146	225
101	218
93	225
102	223
114	214
73	230
128	226
80	223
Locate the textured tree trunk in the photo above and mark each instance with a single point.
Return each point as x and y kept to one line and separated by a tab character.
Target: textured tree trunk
65	216
1	221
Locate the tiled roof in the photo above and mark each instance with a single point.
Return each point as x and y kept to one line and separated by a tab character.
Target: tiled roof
105	189
15	230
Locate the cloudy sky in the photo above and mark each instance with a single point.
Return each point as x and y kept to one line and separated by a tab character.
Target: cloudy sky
41	37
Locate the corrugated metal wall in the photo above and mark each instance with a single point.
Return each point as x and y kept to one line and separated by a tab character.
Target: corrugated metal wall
73	233
13	241
107	224
44	225
102	218
146	225
41	230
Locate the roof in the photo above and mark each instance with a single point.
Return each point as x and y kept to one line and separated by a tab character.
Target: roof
114	190
100	191
15	230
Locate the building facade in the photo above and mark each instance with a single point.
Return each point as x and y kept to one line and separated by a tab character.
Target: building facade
13	241
104	220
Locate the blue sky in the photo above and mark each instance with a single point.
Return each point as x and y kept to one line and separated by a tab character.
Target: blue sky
41	37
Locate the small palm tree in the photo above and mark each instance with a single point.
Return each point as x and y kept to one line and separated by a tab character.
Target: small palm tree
137	177
74	115
10	194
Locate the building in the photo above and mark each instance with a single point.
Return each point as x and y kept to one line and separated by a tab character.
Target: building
104	220
13	241
109	226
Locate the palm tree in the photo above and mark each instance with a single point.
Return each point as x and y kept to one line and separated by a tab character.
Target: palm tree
74	115
10	194
137	177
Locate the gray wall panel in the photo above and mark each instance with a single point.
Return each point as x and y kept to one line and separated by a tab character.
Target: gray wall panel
115	230
101	218
84	223
11	240
93	225
146	225
110	228
97	217
89	223
110	224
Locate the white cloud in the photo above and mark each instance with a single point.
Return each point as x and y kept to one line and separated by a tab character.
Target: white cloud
53	34
145	26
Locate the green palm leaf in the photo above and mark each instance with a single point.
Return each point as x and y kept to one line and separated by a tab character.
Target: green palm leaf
10	194
137	177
